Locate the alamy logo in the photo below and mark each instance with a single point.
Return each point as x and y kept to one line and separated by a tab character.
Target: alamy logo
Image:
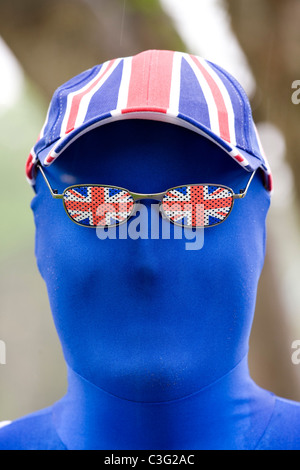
2	352
296	354
140	228
296	94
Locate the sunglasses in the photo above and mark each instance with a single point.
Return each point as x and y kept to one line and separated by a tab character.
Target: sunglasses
190	205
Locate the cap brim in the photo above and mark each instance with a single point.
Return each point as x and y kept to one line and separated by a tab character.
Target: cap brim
247	161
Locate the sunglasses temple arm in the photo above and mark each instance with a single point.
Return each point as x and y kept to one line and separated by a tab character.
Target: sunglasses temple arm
54	192
243	192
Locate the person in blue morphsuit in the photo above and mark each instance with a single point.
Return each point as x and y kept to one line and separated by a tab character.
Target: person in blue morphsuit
155	335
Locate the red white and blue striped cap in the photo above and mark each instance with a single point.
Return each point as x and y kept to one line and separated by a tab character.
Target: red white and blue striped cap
168	86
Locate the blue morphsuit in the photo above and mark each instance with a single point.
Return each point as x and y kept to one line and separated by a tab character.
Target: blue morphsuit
155	335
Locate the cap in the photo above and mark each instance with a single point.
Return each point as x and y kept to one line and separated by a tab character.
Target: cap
168	86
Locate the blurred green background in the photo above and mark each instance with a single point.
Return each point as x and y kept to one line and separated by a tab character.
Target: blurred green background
54	41
34	370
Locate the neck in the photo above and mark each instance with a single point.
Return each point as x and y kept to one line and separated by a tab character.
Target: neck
230	413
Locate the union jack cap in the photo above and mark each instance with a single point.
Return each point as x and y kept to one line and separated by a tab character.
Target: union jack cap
168	86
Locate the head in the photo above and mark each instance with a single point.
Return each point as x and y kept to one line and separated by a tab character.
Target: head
146	318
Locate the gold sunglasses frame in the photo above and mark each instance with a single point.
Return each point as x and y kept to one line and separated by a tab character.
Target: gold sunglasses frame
139	196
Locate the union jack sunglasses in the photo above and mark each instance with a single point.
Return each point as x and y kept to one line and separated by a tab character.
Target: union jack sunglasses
189	205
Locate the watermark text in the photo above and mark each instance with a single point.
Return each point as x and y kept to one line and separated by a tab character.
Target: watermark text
155	227
296	93
2	352
296	354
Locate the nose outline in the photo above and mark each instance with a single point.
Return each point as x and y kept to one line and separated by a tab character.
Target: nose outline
152	196
145	210
141	196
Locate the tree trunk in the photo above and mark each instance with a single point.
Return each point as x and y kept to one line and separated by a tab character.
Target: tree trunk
269	33
57	40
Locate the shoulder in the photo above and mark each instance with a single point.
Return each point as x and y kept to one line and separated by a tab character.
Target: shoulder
283	430
32	432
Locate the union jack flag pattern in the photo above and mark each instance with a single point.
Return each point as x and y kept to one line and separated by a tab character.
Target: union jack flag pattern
169	86
198	206
98	206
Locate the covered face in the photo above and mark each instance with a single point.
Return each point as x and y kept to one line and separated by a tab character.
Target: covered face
145	318
151	318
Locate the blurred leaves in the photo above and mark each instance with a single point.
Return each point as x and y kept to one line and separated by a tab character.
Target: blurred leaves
269	33
27	378
147	7
56	40
18	133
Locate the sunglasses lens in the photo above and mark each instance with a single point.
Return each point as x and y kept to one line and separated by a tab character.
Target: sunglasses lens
198	205
95	206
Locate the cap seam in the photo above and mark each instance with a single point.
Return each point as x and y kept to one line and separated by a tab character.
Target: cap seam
244	98
250	153
240	93
247	117
62	91
58	117
52	144
149	74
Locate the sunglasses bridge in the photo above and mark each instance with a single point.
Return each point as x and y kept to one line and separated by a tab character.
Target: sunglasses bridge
139	196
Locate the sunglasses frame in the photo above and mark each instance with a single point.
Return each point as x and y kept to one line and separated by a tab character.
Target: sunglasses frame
139	196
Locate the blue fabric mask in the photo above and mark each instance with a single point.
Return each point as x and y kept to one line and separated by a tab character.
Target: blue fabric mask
147	321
